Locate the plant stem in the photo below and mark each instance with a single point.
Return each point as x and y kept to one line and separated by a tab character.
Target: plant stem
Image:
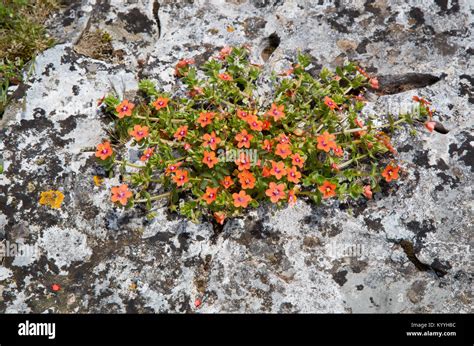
165	141
153	198
146	118
347	163
158	119
199	179
177	159
399	121
319	129
128	164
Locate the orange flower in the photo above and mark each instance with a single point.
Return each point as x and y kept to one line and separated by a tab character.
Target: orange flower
283	139
211	140
205	118
227	182
267	145
374	83
338	151
385	140
125	108
283	150
297	160
421	100
254	123
328	189
266	125
368	192
121	194
326	141
287	72
181	132
278	169
275	192
210	195
243	162
139	132
359	123
430	125
362	72
181	177
276	112
246	179
390	173
244	115
241	199
266	172
160	102
243	138
225	76
210	158
293	175
298	132
220	217
147	154
182	64
292	198
172	167
103	150
195	91
334	167
224	53
100	101
186	146
290	93
330	103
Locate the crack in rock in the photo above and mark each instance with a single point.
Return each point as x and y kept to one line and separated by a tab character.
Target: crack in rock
271	44
156	8
394	84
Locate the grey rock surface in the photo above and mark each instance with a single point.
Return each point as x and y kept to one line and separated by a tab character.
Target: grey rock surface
338	257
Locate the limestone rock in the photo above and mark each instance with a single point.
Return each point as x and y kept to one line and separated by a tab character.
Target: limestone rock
333	258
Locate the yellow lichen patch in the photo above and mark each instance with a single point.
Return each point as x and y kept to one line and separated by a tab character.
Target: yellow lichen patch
52	198
98	180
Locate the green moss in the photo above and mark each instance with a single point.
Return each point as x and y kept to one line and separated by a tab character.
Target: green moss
22	36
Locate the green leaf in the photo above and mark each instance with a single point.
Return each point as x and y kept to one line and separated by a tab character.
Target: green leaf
324	74
151	215
307	181
304	60
317	197
111	101
254	204
148	87
355	191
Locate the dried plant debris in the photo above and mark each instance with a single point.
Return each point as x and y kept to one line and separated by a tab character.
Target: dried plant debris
96	44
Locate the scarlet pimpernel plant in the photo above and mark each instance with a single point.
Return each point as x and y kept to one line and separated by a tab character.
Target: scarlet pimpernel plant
212	149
